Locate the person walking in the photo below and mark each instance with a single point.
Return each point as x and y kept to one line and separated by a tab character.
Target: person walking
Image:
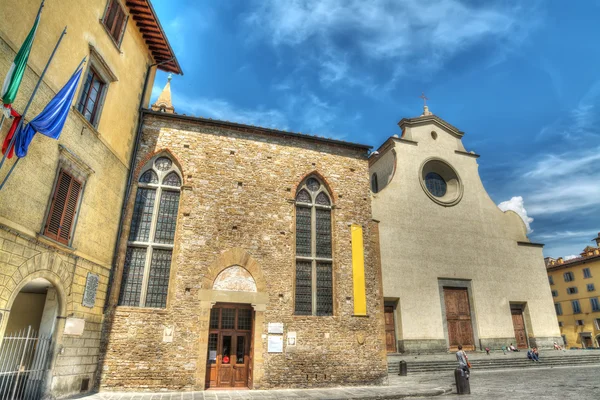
463	360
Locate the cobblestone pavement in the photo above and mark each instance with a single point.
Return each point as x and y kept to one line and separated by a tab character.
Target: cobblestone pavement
581	382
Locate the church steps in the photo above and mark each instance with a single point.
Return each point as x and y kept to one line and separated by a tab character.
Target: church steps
495	363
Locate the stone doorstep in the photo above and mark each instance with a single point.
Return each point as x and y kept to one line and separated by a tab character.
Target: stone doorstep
340	393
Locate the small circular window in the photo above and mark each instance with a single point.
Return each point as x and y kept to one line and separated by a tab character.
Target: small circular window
440	182
435	184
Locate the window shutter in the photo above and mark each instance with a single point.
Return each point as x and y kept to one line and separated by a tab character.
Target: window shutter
122	32
63	209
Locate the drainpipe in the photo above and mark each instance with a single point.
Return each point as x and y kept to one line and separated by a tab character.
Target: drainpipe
138	138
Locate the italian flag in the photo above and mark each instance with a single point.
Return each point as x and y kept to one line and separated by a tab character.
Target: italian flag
17	69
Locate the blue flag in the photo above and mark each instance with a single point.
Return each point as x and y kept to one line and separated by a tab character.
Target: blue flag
51	120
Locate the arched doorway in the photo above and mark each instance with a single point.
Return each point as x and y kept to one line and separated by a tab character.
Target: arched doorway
230	349
26	347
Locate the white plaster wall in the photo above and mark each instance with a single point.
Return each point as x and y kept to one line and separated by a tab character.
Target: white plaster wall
422	241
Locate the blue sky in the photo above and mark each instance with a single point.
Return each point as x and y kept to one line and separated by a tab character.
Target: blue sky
522	79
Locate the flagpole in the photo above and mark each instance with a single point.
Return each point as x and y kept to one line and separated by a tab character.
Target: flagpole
18	158
12	141
9	172
36	18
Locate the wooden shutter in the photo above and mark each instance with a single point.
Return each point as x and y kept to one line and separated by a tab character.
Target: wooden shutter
60	220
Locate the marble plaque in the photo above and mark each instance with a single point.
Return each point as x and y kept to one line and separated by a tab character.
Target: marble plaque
275	344
91	287
275	327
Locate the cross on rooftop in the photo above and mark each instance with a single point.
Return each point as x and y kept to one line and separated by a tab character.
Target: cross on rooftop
425	98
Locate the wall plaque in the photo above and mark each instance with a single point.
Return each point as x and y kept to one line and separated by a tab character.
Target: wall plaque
168	332
291	338
74	326
91	287
276	327
275	344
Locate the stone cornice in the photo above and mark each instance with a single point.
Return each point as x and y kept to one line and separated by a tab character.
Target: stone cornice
430	119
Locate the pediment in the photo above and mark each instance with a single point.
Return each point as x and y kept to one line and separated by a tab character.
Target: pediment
431	120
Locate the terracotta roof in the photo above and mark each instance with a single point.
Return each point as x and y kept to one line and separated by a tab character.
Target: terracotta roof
145	18
573	261
258	129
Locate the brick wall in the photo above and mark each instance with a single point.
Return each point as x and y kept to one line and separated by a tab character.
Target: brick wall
238	193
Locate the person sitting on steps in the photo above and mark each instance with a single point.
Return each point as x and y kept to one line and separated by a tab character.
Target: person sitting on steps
533	355
512	348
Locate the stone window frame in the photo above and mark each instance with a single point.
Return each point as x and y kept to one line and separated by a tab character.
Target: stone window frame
150	245
100	67
73	165
116	41
313	258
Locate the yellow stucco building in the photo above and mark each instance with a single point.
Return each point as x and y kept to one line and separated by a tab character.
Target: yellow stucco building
575	285
60	211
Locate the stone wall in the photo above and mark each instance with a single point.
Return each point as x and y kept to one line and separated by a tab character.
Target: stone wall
237	208
22	259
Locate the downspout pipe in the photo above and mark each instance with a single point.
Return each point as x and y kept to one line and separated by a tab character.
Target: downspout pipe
138	139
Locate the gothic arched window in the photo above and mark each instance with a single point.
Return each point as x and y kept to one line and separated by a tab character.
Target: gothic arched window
314	273
150	246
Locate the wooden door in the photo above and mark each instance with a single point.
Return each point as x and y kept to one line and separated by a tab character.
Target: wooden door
225	360
229	346
390	329
587	342
519	326
458	317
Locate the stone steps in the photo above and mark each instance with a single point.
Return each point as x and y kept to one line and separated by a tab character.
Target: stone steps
494	363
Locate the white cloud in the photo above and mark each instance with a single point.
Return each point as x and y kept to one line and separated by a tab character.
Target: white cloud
410	35
225	111
572	256
516	204
562	235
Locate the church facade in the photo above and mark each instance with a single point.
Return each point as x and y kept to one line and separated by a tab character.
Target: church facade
457	270
249	259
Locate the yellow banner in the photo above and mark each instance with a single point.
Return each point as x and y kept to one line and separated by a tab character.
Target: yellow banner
358	270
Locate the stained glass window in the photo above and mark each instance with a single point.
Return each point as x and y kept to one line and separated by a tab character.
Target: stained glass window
142	215
149	177
147	265
435	184
133	274
158	279
163	164
172	180
324	289
167	217
303	287
314	275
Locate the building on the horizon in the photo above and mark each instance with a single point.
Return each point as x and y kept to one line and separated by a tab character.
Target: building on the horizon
456	269
575	287
60	210
248	259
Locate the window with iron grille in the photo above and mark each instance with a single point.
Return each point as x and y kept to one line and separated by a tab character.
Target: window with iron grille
147	265
60	221
587	273
314	259
576	307
568	276
92	95
115	20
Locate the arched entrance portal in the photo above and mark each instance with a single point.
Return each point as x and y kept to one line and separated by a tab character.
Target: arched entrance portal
26	347
230	335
